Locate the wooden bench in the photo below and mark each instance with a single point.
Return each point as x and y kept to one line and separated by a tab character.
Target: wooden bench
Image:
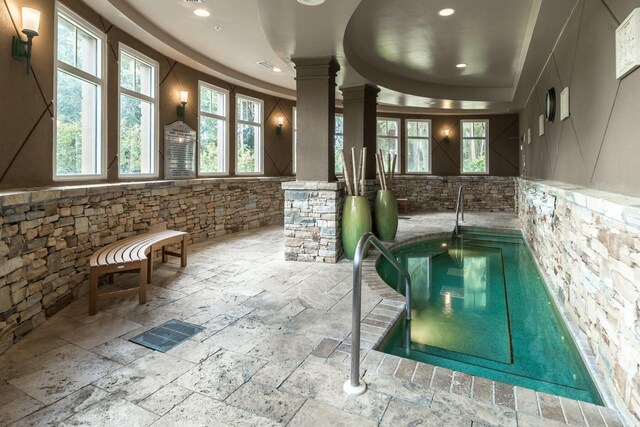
132	253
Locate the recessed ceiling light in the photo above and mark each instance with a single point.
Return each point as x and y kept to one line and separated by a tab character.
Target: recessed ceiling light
203	13
276	70
444	12
217	28
461	65
311	2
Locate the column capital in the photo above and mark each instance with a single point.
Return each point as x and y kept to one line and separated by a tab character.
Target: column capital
360	93
316	67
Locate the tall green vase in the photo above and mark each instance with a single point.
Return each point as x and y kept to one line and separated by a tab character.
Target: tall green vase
356	220
386	215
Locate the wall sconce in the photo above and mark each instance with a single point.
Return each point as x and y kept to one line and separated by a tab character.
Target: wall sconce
280	123
446	135
184	95
30	24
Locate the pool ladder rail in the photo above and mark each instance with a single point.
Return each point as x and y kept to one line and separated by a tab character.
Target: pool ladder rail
459	211
353	385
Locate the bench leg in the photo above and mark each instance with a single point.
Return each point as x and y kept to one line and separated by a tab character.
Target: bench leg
109	278
165	258
142	296
183	253
93	291
150	265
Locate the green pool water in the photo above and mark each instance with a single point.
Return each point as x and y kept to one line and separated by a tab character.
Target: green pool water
480	306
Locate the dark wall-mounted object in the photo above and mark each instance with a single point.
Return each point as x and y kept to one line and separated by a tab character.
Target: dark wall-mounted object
550	105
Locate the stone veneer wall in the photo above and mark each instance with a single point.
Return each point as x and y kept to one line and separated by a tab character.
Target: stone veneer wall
440	193
587	243
48	235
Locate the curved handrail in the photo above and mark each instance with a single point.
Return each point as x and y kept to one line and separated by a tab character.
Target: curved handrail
353	385
459	208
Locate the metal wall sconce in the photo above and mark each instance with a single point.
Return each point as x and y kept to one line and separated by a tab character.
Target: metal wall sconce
184	95
446	135
280	123
30	24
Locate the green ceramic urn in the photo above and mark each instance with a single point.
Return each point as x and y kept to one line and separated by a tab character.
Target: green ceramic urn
386	215
356	220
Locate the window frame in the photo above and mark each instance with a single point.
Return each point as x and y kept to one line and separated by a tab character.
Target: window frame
335	134
398	171
406	141
78	21
259	123
486	138
225	92
154	100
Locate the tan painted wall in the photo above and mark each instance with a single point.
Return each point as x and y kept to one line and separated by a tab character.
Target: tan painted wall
503	142
26	110
597	146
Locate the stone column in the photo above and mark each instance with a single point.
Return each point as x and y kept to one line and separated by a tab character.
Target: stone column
359	111
315	103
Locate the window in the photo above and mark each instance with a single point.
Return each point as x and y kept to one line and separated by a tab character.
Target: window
249	135
338	144
212	129
418	146
295	139
387	136
138	138
80	135
475	148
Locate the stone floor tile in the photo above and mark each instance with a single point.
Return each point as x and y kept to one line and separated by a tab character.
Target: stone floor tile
99	332
405	369
424	374
528	420
504	395
442	379
273	374
221	374
201	411
144	376
461	384
193	351
129	307
485	413
268	300
371	361
572	412
318	322
325	348
592	415
371	405
266	402
61	372
286	347
15	359
165	399
403	413
112	412
315	413
17	409
121	351
9	393
550	407
54	414
527	401
319	380
483	389
243	335
401	389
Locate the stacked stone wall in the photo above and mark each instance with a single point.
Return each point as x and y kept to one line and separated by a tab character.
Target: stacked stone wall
440	193
587	243
48	235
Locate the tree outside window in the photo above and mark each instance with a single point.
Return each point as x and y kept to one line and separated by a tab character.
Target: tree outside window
475	147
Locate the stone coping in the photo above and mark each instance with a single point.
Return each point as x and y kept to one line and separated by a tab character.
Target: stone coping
43	194
376	326
313	185
618	207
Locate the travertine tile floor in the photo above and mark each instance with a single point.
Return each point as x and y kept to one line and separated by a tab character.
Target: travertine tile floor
267	356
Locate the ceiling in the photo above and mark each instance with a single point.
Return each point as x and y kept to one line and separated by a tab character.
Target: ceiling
402	46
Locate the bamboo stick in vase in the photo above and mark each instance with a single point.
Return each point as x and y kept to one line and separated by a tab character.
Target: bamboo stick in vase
355	173
392	169
389	165
383	178
364	169
345	173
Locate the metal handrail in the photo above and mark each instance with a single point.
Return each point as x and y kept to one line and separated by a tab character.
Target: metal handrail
459	208
354	385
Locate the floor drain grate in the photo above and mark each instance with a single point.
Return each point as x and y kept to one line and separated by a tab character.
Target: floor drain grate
166	336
